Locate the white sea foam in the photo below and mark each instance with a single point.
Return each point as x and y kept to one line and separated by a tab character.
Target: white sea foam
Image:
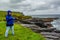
56	24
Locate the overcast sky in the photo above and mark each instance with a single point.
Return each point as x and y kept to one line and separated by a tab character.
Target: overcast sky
32	7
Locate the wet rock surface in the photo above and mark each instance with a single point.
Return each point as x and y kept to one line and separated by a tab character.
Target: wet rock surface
48	33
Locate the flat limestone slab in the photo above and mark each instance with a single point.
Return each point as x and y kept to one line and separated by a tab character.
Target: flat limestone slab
51	37
50	33
44	29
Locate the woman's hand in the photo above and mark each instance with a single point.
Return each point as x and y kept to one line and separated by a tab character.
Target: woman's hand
16	18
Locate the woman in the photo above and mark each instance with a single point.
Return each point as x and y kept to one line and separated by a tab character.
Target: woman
9	23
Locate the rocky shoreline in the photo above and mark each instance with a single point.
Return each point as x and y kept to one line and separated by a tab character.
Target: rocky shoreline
47	32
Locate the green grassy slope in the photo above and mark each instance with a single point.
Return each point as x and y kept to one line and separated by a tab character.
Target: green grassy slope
18	15
21	33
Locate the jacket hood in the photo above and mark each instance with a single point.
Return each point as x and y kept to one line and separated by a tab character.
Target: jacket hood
8	12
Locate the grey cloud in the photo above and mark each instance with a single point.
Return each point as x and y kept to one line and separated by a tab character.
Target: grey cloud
16	1
29	6
55	3
20	5
41	8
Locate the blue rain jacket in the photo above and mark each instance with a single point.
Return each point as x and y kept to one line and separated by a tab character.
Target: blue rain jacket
9	19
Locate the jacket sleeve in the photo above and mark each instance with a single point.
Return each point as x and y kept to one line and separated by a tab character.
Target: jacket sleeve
8	19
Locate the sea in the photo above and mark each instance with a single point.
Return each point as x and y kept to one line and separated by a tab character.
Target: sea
45	16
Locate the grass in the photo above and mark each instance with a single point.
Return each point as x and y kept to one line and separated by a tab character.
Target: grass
18	15
21	33
4	13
